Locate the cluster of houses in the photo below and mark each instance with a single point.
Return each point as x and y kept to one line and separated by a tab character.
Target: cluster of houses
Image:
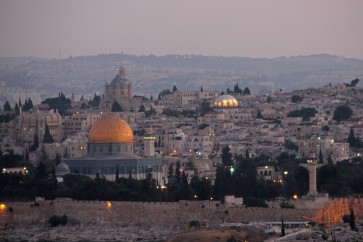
250	125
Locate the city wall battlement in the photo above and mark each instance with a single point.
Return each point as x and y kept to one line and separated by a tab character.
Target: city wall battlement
141	213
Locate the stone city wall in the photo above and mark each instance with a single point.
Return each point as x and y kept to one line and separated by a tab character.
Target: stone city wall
142	213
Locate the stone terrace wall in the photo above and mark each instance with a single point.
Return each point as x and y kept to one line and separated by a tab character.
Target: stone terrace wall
143	213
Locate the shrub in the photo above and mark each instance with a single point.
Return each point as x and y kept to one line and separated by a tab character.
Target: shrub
324	236
194	223
254	202
286	205
231	239
58	220
346	218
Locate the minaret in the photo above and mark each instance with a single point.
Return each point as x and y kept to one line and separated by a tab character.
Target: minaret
311	165
149	143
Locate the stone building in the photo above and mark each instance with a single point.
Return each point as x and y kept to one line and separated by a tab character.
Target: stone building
111	150
27	125
120	87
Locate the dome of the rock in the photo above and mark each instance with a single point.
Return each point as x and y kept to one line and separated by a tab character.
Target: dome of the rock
110	129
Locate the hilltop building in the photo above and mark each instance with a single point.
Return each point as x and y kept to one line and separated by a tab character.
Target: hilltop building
120	87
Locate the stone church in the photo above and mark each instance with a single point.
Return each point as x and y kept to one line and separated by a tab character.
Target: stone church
120	90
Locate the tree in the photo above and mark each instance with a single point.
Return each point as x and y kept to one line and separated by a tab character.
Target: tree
227	156
269	99
326	128
17	109
352	221
41	171
28	105
291	145
171	112
259	115
174	88
95	102
60	103
330	160
163	93
47	138
236	89
7	106
205	108
305	113
282	228
342	112
142	108
35	144
354	82
246	91
351	138
358	143
116	107
296	99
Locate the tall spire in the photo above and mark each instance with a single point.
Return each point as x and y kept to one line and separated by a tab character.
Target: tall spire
122	73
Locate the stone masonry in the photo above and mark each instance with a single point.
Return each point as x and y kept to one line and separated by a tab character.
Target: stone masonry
142	213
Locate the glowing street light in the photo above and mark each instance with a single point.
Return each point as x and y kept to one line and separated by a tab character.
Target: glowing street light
109	204
231	170
2	207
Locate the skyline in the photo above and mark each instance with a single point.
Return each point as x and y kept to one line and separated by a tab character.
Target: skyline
59	29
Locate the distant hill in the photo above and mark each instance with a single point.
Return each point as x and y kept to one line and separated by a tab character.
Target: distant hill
85	75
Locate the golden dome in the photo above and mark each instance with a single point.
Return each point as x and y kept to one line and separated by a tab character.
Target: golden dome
225	101
110	129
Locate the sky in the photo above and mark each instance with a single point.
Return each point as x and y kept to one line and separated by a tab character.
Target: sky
253	28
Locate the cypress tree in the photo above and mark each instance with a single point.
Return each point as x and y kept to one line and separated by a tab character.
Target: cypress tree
282	228
351	138
352	221
330	160
35	145
227	156
174	88
246	91
48	138
7	106
116	107
17	109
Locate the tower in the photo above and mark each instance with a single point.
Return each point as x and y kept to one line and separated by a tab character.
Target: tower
312	177
149	143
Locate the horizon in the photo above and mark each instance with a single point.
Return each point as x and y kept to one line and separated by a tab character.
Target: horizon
255	29
194	55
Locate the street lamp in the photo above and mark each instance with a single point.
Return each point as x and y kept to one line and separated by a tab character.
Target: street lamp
231	170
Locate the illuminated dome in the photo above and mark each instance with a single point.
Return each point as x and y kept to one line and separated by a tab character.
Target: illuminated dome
225	101
110	129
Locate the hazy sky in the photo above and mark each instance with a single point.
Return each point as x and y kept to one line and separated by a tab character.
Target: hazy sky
270	28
